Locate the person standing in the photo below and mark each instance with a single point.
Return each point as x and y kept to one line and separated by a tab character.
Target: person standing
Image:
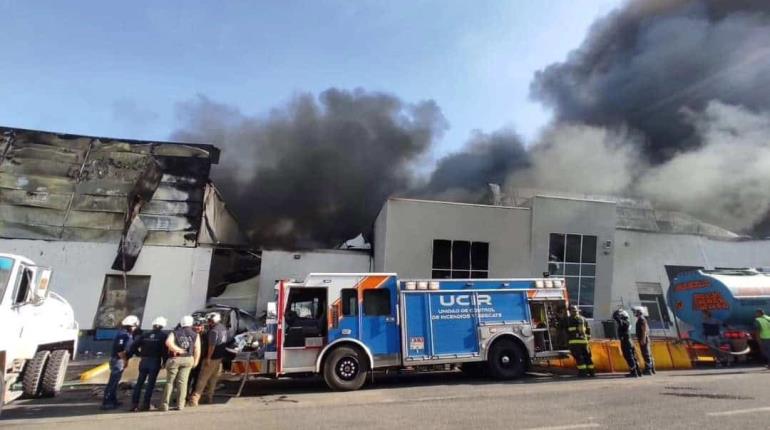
629	354
712	336
578	334
184	352
199	326
216	339
151	347
643	337
121	349
762	335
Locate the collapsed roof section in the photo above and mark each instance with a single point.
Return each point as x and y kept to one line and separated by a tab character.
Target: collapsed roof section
76	188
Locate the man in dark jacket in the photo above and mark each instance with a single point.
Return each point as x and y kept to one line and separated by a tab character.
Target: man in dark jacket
624	333
121	352
216	340
151	347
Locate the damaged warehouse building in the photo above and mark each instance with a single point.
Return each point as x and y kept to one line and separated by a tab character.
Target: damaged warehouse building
129	227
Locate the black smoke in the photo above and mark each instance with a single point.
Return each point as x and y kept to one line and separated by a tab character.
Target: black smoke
316	171
649	63
465	175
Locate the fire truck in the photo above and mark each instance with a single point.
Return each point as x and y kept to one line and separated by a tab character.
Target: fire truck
345	326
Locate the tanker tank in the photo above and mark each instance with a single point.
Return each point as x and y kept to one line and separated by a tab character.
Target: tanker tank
732	296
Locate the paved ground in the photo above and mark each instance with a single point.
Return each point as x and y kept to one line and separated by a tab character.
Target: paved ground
708	399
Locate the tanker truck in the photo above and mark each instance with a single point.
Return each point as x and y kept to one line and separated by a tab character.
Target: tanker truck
732	297
39	333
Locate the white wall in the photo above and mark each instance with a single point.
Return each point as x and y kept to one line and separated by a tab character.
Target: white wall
178	283
278	265
642	257
412	225
574	216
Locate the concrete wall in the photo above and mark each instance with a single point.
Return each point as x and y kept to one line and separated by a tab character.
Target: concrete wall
412	225
277	265
642	257
572	216
380	230
178	283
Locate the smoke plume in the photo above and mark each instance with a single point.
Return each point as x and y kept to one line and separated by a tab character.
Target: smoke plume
316	171
642	65
464	176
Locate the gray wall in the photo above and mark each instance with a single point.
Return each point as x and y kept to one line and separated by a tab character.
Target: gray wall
278	265
178	276
410	226
587	217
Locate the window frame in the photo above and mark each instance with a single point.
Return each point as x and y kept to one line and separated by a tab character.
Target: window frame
343	300
473	271
558	264
378	293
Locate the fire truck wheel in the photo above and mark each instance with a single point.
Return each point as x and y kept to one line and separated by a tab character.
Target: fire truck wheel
33	374
345	369
506	360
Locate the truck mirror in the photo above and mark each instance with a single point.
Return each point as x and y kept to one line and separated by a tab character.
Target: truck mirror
272	310
41	287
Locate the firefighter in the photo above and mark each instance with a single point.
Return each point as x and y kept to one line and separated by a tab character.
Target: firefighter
121	352
579	333
643	337
151	347
629	354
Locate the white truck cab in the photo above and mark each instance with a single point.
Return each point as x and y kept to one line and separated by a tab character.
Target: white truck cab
39	333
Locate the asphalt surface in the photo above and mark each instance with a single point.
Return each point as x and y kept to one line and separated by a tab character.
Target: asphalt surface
705	399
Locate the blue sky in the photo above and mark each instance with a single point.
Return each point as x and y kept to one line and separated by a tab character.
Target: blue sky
120	68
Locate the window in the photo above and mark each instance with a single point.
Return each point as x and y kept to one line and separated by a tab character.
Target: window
651	297
376	302
119	301
22	290
349	298
573	256
460	259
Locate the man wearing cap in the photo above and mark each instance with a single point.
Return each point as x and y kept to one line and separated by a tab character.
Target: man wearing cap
121	352
151	347
184	348
216	338
578	335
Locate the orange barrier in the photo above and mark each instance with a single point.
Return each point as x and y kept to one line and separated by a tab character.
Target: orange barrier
669	354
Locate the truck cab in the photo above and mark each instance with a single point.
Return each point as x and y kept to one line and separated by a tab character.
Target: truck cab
39	330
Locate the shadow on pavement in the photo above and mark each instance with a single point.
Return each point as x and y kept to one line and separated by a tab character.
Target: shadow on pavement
82	400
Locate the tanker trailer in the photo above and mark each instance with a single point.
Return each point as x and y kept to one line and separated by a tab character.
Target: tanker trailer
732	297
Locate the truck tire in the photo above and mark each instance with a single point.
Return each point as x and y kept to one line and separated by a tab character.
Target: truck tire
345	369
506	360
55	370
33	374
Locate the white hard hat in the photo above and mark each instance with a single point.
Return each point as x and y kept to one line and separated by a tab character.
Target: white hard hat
159	322
214	317
622	314
130	320
186	321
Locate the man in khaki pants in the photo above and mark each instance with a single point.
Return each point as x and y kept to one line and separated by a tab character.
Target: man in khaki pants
184	348
212	360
